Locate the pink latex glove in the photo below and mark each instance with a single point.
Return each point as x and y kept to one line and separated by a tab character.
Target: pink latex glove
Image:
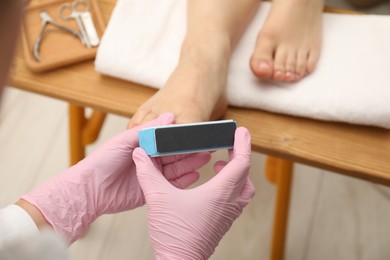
105	182
188	224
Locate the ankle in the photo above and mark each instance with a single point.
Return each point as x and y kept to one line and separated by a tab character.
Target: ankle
207	49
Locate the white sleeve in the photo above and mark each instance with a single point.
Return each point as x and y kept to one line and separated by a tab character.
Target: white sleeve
15	225
20	238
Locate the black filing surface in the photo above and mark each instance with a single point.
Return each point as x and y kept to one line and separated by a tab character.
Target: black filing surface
197	137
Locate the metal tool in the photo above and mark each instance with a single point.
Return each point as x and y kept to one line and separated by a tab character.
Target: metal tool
80	11
46	20
90	29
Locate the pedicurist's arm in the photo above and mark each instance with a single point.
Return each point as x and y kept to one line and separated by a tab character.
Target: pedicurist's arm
105	182
35	214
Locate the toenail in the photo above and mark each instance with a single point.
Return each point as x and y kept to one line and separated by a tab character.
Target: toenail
298	76
263	65
279	75
290	76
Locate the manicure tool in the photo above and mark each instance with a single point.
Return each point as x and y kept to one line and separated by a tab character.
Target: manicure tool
79	10
188	138
46	20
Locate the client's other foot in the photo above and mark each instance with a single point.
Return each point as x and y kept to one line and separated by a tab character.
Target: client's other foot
195	91
289	43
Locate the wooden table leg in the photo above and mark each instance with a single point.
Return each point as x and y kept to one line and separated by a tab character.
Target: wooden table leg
92	127
82	131
76	124
279	172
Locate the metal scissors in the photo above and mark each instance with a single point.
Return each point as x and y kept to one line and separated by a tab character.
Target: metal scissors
75	10
46	20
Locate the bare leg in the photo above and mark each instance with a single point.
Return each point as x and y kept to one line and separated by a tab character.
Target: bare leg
288	45
196	89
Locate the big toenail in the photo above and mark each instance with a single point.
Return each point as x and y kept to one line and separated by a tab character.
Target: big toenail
264	65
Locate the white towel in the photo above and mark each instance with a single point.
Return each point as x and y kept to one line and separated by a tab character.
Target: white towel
350	84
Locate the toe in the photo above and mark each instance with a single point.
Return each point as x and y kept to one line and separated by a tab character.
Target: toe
312	61
131	124
135	120
261	61
150	116
290	67
262	69
289	76
139	118
280	64
301	68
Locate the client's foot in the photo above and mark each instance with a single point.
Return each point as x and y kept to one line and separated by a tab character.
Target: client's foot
195	91
289	44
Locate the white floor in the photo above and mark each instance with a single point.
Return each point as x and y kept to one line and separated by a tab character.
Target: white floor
332	216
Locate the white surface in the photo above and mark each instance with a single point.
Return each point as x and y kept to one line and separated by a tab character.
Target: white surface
351	82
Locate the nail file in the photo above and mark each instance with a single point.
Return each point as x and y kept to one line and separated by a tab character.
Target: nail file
188	138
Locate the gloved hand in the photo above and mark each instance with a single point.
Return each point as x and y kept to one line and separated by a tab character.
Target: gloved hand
105	182
188	224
